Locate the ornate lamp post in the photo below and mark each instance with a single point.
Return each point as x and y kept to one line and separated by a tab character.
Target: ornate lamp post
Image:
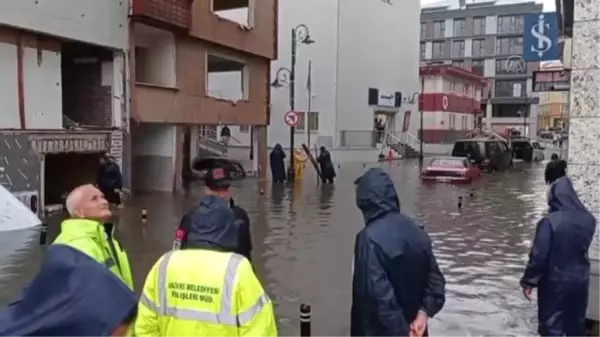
285	76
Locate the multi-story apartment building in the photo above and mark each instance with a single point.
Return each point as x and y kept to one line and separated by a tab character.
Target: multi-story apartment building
554	105
62	94
185	56
487	37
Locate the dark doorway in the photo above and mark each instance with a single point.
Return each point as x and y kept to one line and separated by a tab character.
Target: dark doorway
65	171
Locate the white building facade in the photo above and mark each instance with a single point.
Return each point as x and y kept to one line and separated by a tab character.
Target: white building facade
365	65
63	92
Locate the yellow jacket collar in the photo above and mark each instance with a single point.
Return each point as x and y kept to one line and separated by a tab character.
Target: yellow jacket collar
83	227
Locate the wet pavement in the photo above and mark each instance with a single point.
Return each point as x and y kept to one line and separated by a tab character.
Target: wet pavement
303	240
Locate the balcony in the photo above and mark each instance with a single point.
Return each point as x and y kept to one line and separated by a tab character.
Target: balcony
170	13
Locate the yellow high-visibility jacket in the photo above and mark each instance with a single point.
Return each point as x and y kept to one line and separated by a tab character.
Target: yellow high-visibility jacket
197	292
89	237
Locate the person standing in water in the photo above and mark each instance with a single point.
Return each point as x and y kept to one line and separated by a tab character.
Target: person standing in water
326	166
277	161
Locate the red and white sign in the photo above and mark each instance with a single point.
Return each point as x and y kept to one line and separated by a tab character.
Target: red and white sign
291	118
445	102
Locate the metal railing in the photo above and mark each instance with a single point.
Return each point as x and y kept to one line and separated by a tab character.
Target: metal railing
208	142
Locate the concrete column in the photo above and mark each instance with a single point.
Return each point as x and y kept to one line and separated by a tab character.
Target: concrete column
584	123
260	134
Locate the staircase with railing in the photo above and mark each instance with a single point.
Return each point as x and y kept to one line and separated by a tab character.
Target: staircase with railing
210	145
405	144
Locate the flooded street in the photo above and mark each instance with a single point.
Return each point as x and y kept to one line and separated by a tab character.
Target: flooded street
304	237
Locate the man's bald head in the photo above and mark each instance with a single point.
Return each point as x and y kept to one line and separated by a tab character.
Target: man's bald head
87	202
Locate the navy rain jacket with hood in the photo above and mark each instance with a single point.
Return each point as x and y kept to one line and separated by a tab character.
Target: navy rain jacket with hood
558	265
277	160
72	295
212	225
395	271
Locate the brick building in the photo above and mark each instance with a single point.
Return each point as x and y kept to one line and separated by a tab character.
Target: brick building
185	57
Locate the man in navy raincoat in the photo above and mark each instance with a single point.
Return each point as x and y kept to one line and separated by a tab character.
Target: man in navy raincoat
397	284
72	295
558	265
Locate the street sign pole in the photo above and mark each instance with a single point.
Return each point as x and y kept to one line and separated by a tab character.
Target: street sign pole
292	106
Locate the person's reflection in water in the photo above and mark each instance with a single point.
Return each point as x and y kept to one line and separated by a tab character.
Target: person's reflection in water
277	194
326	197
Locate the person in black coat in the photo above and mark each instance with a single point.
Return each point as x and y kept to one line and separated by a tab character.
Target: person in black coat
559	266
109	180
397	284
277	161
555	169
217	184
326	166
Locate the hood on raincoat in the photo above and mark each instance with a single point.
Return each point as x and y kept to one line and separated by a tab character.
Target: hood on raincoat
72	295
376	195
211	225
562	197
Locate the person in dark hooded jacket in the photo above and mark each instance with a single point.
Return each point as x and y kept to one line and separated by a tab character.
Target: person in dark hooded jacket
558	264
326	166
397	284
277	161
556	168
110	180
72	295
218	184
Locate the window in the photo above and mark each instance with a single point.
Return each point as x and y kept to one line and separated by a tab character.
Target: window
458	64
437	49
464	123
460	28
244	128
536	145
423	30
452	122
458	48
459	88
507	88
478	48
509	46
479	25
516	67
508	24
313	121
448	86
439	29
422	50
477	66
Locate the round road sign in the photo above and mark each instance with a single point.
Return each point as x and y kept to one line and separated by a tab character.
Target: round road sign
445	102
291	118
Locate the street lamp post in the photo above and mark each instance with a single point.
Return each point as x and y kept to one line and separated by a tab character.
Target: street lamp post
288	76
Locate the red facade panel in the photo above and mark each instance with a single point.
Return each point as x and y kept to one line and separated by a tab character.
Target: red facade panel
172	12
450	103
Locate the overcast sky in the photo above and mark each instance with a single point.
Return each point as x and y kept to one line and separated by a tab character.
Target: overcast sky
549	5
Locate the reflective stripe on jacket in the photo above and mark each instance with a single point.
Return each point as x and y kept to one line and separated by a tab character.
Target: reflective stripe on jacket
89	237
204	293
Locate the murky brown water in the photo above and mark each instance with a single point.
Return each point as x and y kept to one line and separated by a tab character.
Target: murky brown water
303	240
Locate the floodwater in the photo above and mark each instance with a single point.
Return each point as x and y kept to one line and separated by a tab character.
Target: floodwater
304	236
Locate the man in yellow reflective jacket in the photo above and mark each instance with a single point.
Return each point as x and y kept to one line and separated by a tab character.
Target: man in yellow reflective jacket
205	289
87	231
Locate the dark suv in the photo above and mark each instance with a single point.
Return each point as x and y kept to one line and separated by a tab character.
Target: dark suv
488	154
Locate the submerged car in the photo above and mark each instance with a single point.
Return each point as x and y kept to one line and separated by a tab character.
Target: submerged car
486	153
450	169
526	149
233	168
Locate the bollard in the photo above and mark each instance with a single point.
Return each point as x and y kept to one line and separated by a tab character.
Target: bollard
144	216
471	193
305	319
460	200
43	234
364	165
262	192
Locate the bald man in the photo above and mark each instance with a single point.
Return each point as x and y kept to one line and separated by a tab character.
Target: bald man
88	231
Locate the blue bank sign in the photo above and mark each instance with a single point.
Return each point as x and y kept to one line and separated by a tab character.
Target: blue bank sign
540	39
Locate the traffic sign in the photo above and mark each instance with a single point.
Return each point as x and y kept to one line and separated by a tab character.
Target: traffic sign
291	118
